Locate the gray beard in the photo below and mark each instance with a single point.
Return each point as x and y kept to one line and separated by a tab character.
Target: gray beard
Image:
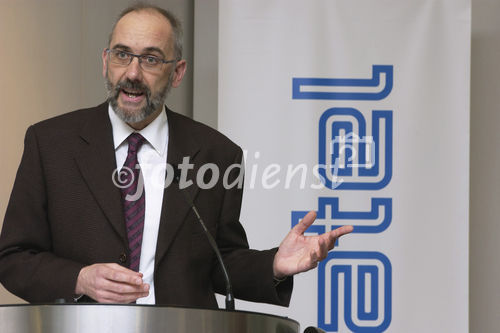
153	102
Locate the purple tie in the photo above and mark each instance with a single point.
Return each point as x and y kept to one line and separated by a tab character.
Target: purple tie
134	199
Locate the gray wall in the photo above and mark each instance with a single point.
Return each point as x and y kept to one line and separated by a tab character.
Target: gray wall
206	61
484	265
51	64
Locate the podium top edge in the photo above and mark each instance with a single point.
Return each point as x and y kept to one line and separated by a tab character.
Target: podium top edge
162	306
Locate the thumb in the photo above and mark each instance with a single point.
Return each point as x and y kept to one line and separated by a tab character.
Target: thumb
305	223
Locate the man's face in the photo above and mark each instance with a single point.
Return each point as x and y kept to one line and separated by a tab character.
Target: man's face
137	95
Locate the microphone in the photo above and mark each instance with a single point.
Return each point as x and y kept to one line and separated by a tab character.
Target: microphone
189	201
312	329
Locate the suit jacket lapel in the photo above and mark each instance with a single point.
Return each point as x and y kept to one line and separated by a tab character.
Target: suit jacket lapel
175	208
97	162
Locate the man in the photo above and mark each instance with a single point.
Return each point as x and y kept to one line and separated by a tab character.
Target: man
72	230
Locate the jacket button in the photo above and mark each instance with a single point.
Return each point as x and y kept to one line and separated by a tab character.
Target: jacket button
123	258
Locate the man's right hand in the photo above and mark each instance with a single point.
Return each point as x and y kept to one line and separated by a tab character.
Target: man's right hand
111	283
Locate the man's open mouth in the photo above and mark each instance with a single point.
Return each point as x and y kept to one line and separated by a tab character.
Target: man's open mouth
132	94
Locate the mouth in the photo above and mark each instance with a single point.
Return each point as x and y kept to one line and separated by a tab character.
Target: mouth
132	95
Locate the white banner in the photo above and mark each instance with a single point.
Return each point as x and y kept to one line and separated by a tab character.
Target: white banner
371	98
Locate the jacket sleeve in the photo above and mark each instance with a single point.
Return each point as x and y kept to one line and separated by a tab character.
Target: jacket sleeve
28	268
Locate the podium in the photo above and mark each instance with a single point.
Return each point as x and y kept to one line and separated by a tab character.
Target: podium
96	318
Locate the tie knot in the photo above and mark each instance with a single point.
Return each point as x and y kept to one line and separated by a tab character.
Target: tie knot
135	141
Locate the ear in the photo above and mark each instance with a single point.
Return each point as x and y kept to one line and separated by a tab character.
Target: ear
104	56
180	70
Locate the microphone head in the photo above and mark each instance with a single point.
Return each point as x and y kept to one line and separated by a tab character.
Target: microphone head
312	329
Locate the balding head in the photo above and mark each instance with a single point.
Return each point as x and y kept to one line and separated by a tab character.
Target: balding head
175	24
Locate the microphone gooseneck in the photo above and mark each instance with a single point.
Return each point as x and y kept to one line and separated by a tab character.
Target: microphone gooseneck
189	201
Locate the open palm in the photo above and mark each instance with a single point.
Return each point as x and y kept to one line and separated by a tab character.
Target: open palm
299	253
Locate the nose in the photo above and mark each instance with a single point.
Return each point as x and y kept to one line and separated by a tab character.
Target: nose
134	71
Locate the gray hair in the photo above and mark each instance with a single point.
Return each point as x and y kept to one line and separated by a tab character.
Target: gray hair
172	19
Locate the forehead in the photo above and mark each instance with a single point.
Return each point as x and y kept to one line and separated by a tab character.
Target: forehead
143	29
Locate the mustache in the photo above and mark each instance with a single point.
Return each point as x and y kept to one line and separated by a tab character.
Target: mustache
134	85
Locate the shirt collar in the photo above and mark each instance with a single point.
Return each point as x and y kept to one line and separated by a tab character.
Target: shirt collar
156	133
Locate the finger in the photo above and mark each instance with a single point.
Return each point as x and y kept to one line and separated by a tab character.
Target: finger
105	296
123	269
341	231
121	274
313	257
330	239
332	236
323	249
123	288
306	221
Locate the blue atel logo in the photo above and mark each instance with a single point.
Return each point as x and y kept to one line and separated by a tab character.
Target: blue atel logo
355	154
375	220
366	287
313	88
353	160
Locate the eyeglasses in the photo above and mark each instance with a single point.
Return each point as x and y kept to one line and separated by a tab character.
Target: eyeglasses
147	62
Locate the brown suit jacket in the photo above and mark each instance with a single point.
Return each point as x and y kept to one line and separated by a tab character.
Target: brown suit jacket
65	213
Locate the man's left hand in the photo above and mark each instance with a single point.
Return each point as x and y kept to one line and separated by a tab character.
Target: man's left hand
298	253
